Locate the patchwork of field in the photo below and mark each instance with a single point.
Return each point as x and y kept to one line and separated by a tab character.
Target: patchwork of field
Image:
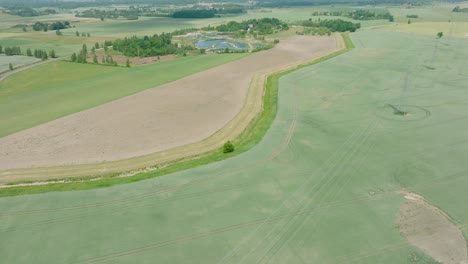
356	138
110	29
154	120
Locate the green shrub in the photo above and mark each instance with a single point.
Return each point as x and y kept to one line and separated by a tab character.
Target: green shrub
228	147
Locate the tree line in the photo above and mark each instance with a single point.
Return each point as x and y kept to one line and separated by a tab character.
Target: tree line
24	10
360	14
459	9
82	55
262	26
43	26
194	13
38	53
322	27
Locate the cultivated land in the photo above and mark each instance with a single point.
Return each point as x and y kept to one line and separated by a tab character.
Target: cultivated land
155	119
327	184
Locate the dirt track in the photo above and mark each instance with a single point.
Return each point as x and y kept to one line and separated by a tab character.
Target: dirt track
183	112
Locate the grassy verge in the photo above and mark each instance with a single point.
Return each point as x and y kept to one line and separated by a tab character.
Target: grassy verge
249	138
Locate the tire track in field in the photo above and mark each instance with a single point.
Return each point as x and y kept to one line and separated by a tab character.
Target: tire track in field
296	224
229	228
328	167
341	181
225	229
158	202
327	171
289	229
258	221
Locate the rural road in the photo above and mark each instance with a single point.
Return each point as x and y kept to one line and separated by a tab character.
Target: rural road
25	67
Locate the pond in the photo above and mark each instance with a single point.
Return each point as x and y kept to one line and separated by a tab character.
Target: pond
221	44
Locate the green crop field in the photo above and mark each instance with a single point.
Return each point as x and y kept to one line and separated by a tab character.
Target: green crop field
321	187
57	89
16	61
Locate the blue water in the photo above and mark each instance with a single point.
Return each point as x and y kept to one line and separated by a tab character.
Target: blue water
215	43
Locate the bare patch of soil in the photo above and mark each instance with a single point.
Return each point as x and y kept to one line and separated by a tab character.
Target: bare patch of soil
430	229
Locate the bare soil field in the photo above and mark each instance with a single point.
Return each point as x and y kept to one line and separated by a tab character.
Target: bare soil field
176	114
431	230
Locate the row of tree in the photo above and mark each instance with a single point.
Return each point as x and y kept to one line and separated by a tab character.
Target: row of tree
334	25
82	56
262	26
25	11
459	9
38	53
11	51
43	26
359	14
41	54
194	13
83	34
131	13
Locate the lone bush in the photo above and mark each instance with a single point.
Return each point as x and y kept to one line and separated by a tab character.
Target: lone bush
228	147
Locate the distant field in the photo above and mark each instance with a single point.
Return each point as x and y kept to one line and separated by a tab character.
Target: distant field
57	89
430	21
424	13
110	29
450	29
63	45
16	61
323	186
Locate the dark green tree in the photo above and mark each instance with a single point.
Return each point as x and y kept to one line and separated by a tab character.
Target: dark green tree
29	52
96	45
44	56
52	54
77	34
440	34
95	59
10	66
127	63
228	147
73	57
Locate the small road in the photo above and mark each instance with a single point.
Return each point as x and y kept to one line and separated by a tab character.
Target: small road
25	67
